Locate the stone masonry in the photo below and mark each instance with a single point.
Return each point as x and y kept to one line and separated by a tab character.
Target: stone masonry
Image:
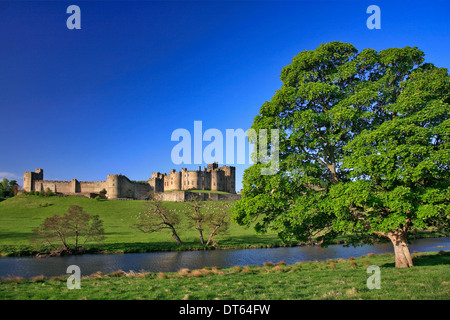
212	178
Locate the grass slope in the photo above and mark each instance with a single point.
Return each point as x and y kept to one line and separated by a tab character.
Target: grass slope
21	214
333	279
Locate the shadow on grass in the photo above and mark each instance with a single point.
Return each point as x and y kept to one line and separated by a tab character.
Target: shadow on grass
441	258
15	235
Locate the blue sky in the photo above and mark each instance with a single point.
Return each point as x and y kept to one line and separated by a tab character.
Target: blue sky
105	99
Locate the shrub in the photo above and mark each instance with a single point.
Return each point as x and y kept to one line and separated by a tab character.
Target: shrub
48	193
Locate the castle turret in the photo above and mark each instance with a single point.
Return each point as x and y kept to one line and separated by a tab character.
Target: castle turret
113	186
29	179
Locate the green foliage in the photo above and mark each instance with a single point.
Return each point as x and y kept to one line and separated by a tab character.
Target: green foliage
364	147
8	188
48	193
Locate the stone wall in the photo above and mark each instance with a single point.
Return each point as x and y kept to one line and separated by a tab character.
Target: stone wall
120	187
181	196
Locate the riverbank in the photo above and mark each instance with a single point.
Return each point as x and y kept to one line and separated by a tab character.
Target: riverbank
336	279
121	248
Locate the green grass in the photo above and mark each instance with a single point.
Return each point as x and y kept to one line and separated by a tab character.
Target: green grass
330	280
21	214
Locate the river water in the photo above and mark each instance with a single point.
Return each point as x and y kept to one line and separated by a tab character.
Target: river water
28	267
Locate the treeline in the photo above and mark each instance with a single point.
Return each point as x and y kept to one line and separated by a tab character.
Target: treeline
43	193
8	188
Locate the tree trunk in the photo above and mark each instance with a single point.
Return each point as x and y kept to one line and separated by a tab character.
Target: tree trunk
402	255
212	235
175	235
202	240
177	238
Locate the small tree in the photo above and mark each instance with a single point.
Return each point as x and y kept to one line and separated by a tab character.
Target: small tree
69	233
48	193
211	216
158	218
197	216
218	219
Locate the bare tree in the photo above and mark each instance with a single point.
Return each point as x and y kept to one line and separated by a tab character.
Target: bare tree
158	218
218	219
197	216
213	216
69	233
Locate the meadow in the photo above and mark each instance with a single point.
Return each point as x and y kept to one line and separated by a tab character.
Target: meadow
19	215
328	280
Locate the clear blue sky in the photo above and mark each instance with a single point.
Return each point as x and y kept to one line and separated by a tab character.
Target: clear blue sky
105	99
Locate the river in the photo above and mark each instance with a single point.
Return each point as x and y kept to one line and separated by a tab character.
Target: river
28	267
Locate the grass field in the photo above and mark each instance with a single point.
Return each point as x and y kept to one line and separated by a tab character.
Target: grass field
333	279
20	214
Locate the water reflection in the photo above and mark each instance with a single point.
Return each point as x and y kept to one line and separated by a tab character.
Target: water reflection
173	261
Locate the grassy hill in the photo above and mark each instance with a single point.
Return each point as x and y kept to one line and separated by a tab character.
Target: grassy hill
21	214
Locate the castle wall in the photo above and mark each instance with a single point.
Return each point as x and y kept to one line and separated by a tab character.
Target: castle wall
119	186
131	189
156	184
57	186
181	196
192	181
92	186
217	180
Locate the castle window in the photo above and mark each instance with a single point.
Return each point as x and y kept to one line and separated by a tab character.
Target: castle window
192	182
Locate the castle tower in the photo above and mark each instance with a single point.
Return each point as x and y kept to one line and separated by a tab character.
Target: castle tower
113	186
212	166
173	180
39	174
29	178
28	183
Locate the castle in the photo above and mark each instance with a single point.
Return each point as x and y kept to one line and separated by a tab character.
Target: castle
212	178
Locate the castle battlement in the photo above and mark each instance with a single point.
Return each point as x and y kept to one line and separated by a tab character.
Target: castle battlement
211	177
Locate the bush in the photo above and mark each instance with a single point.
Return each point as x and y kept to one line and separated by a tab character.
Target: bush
48	193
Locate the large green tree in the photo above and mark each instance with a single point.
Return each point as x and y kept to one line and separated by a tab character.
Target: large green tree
363	150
